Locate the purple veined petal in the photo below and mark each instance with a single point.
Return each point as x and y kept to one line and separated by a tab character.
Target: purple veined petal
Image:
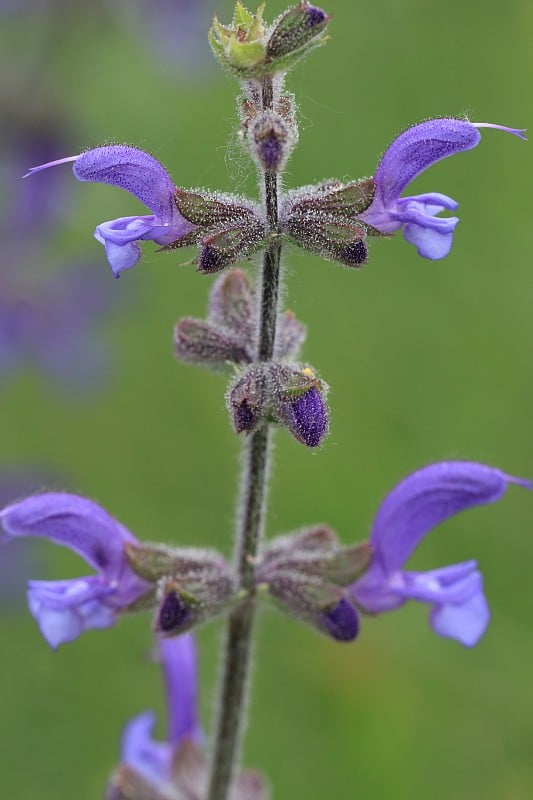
152	760
74	522
178	657
427	497
418	148
466	623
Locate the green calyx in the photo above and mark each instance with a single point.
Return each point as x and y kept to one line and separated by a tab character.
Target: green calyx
249	49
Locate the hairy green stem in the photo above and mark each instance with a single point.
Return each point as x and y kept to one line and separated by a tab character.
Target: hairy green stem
252	503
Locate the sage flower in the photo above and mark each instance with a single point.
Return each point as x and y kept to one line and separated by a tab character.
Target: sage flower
411	510
410	154
64	609
145	178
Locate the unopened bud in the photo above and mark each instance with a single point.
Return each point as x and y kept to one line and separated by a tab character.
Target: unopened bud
247	399
225	247
301	27
299	402
271	141
342	621
240	47
174	615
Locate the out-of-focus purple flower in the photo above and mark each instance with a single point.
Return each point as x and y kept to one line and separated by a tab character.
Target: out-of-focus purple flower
413	508
174	769
411	153
153	760
50	324
64	609
142	176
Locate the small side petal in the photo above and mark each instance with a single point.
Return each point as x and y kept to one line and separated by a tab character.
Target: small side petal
465	623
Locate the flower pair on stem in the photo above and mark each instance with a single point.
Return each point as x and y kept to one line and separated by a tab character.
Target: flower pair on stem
308	573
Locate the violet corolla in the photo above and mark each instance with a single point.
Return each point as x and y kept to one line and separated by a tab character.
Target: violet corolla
411	153
145	178
174	769
412	509
64	609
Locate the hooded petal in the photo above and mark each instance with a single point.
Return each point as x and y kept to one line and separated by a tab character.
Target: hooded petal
73	522
418	148
131	169
427	497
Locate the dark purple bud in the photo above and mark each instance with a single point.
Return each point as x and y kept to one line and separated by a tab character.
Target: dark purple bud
231	244
245	418
246	400
315	16
355	254
307	418
342	621
297	396
301	25
211	260
173	614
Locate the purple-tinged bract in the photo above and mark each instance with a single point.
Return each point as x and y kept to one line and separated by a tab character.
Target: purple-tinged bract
415	506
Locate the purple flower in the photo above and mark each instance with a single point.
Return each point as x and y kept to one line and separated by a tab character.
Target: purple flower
410	154
175	768
142	176
50	325
64	609
413	508
152	760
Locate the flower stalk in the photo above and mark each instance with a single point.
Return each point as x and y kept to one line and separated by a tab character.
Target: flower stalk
238	643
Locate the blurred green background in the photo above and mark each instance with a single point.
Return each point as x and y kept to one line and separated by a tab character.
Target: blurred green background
426	361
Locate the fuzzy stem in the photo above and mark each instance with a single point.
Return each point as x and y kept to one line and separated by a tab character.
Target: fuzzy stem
238	642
